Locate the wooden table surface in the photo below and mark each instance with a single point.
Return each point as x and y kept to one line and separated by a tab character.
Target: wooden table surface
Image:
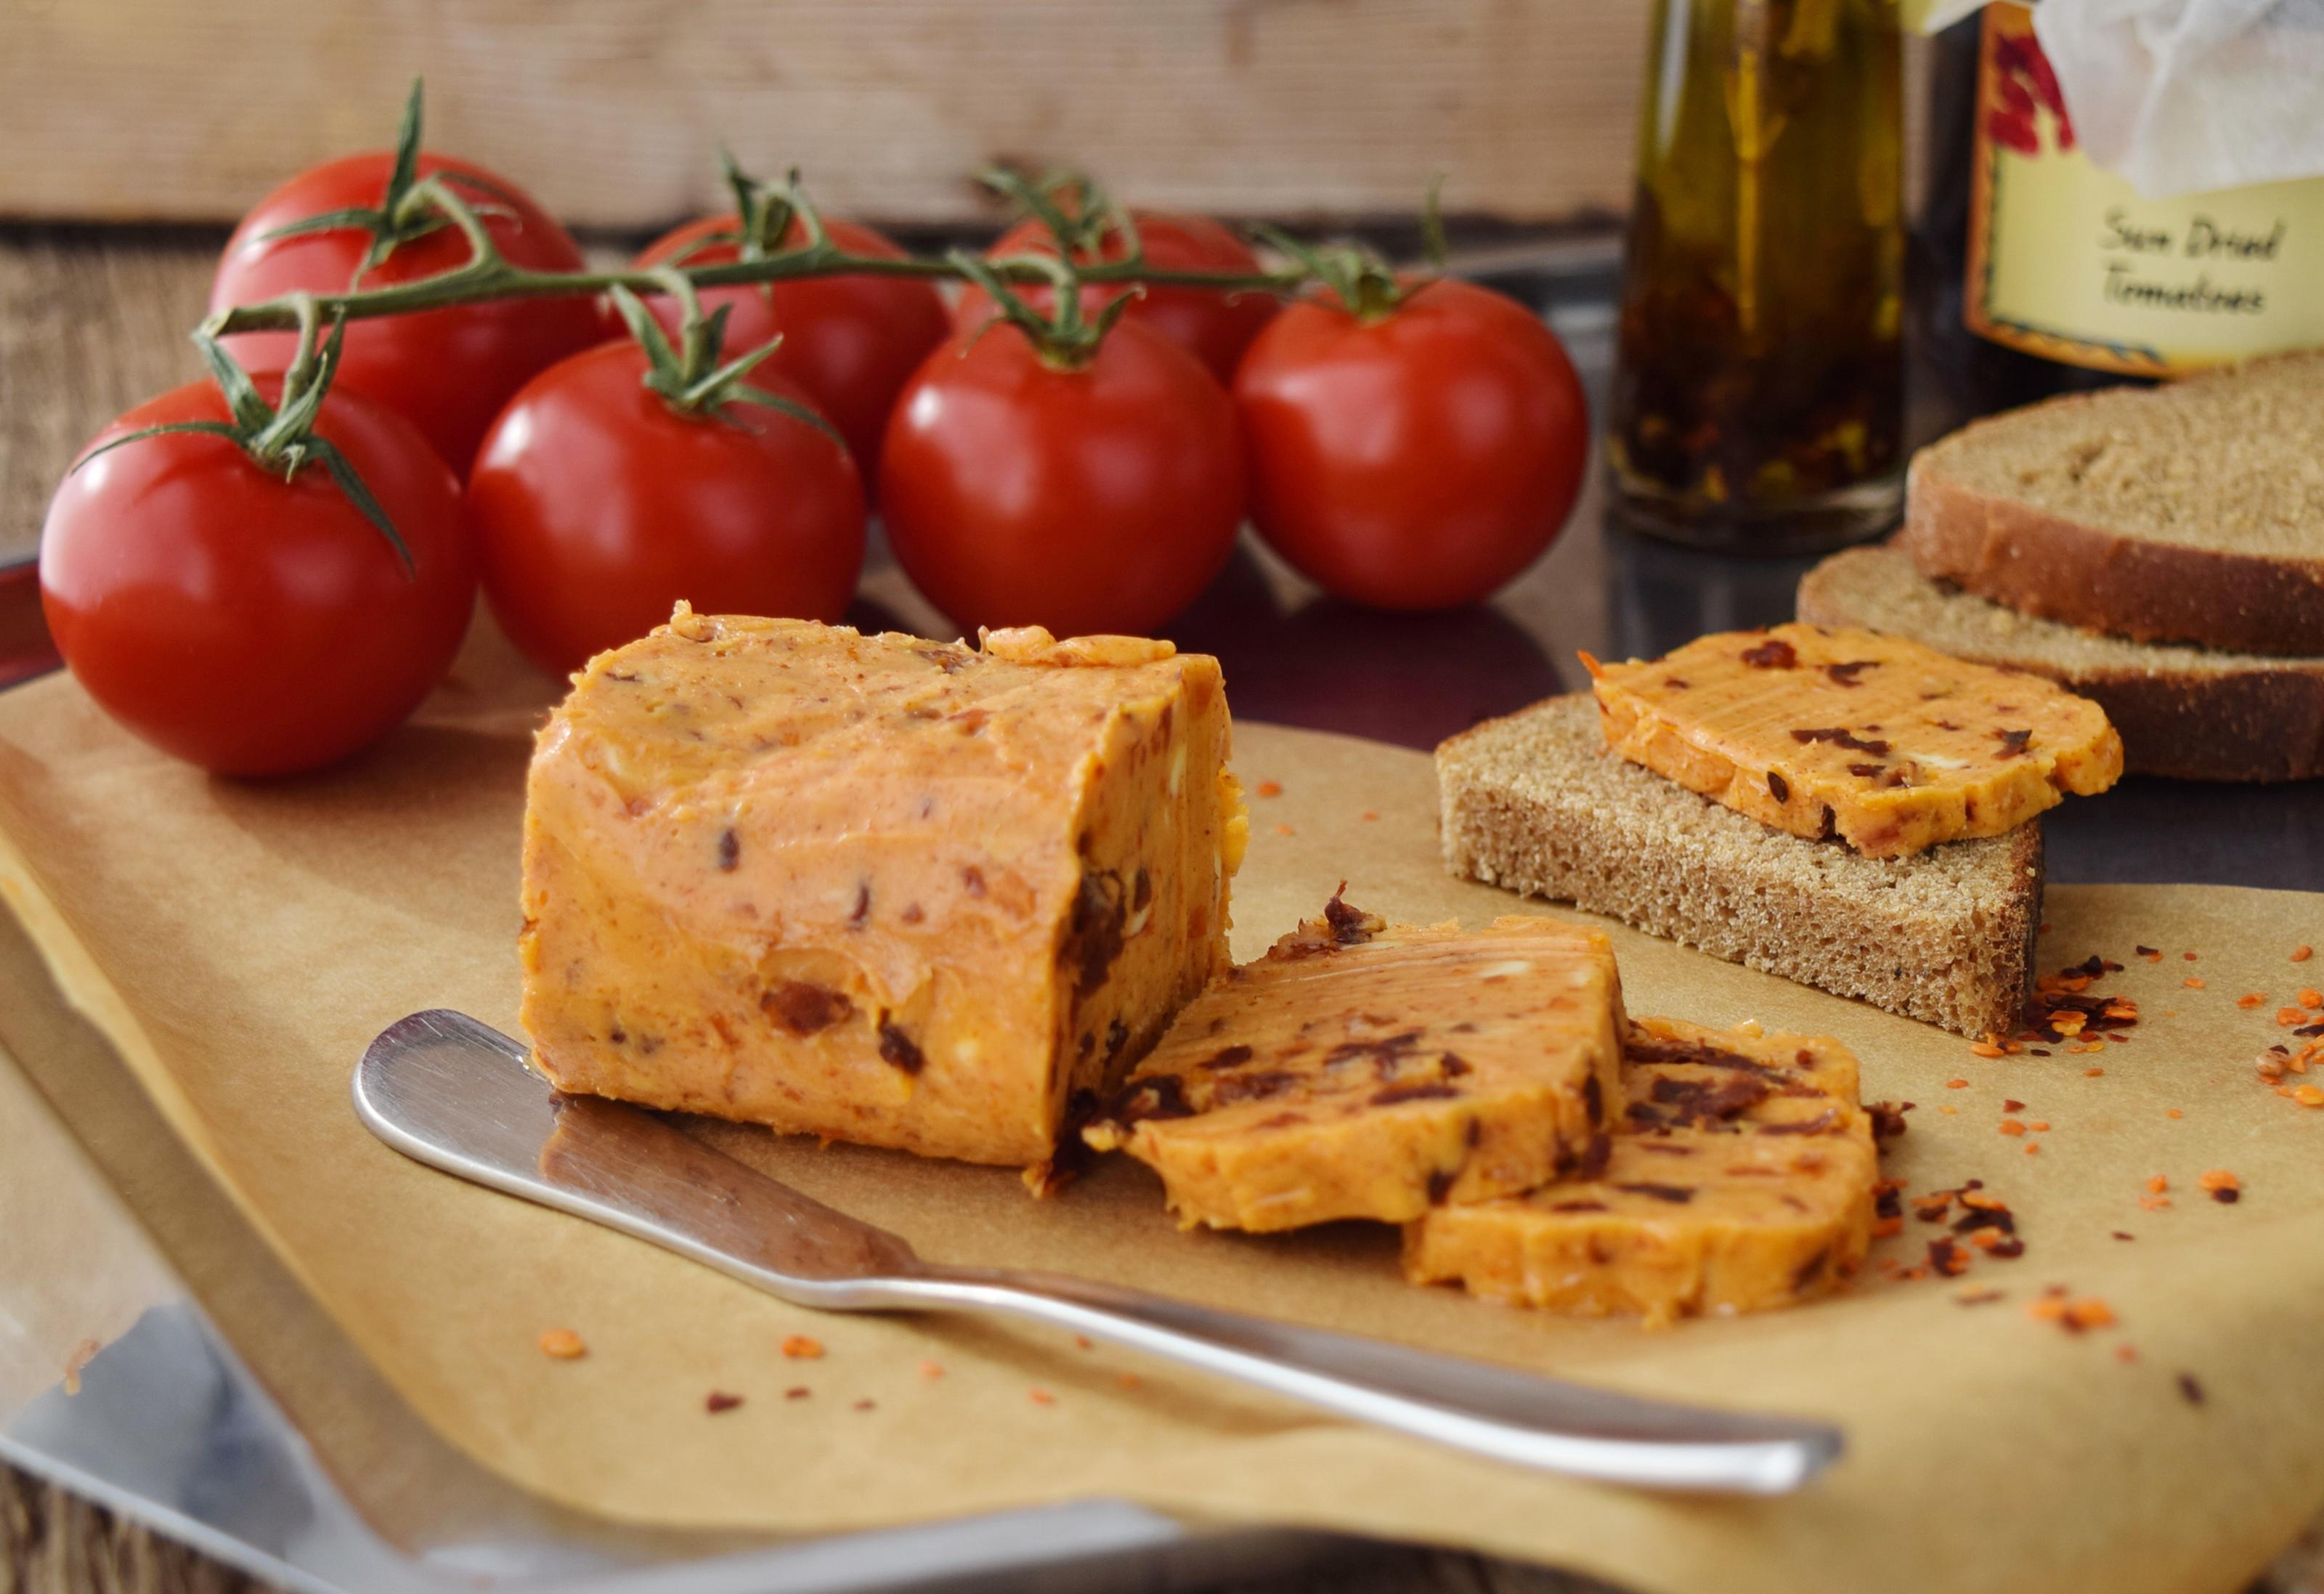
93	320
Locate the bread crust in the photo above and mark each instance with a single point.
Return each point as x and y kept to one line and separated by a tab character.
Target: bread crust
2047	564
2258	724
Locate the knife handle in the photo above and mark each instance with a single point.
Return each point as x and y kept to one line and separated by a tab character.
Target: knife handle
1490	1411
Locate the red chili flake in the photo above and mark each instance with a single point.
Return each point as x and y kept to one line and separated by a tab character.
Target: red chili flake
1270	788
2192	1388
718	1400
1774	653
797	1392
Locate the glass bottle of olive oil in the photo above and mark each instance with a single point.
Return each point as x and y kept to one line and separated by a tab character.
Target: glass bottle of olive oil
1758	393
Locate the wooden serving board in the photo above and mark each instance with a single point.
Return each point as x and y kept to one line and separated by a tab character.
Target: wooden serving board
238	945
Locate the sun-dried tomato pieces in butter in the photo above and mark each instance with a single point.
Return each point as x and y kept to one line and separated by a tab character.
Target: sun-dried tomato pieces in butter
1740	1177
873	888
1364	1070
1890	746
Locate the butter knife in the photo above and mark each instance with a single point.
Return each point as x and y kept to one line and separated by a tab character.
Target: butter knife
458	1095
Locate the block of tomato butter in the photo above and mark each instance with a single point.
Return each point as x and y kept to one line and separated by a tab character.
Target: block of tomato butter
882	889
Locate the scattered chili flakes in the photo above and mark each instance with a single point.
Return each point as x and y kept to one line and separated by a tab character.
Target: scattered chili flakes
1986	1048
2125	1354
2033	1147
2063	1008
2250	999
1369	817
563	1344
1948	1259
932	1369
1284	830
1082	1342
2174	1112
1127	1380
2191	983
2288	1017
2222	1185
1887	1119
718	1400
2301	955
2012	1104
1956	1084
2092	1072
1978	1295
2308	1096
2153	1204
2157	1184
865	1405
2040	1126
802	1347
2151	955
2010	1126
2190	1388
2310	998
2187	955
1270	788
1040	1396
2074	1315
2123	1234
797	1392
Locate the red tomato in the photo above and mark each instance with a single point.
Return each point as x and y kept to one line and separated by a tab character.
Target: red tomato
1215	327
852	342
1418	461
253	625
596	507
1088	501
449	371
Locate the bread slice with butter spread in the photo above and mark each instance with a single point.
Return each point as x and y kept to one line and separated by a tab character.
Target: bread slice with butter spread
1890	746
1535	802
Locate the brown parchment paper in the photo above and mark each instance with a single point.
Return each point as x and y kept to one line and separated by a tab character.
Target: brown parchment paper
239	944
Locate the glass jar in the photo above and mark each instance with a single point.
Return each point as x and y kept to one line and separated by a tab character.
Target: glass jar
1759	400
2053	275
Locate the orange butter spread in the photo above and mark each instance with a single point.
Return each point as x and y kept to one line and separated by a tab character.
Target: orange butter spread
1886	744
1741	1177
1360	1070
873	888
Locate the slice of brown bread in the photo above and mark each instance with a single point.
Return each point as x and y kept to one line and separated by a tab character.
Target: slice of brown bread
2194	713
2191	512
1535	802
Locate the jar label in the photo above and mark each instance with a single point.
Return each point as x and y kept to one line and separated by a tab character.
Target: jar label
2069	262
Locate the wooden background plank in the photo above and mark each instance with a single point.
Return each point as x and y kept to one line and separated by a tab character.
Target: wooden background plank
159	109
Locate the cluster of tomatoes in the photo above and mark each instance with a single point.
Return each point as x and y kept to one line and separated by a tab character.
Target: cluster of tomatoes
245	617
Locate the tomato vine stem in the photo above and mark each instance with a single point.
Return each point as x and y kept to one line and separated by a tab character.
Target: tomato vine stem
497	280
413	205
